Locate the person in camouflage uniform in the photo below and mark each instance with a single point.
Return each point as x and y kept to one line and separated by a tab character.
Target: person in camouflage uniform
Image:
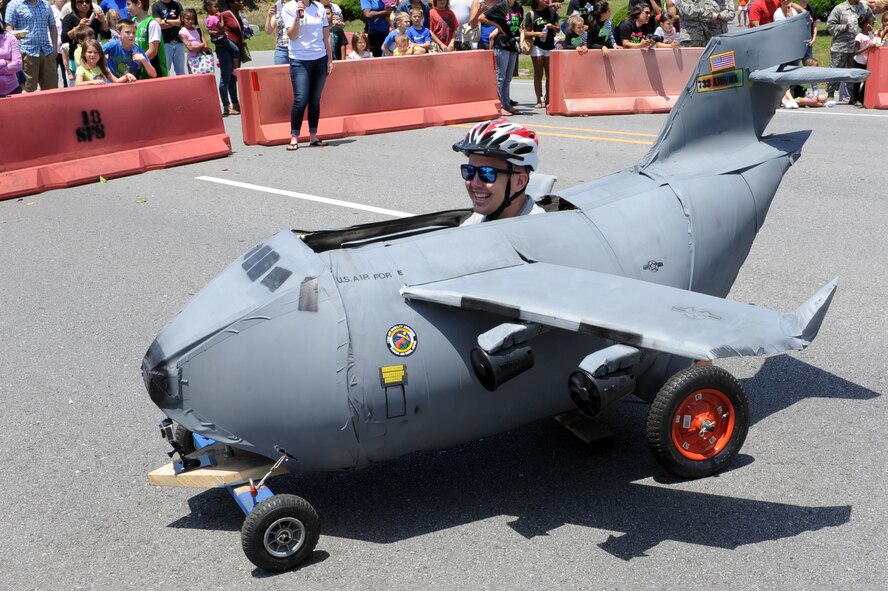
842	25
701	20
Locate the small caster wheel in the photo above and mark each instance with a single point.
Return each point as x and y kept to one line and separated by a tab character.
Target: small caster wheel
280	533
698	421
184	439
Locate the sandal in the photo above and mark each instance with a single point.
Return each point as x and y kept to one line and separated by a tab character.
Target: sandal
235	111
539	105
318	144
292	146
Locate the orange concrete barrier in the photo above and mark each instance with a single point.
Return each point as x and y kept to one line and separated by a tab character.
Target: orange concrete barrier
875	89
66	137
625	81
373	96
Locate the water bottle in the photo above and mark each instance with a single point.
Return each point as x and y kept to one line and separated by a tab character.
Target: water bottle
809	93
544	35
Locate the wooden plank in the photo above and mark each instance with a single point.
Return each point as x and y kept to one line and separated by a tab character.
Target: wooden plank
236	469
585	429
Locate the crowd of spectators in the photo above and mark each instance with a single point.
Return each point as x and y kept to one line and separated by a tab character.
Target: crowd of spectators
41	39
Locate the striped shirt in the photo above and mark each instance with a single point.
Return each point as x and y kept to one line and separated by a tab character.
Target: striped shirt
37	19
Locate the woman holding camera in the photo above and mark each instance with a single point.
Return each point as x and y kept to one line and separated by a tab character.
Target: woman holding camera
311	60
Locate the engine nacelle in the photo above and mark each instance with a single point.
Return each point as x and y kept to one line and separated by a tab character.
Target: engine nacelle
495	369
603	378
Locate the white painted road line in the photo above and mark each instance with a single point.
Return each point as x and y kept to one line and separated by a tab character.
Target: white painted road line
303	196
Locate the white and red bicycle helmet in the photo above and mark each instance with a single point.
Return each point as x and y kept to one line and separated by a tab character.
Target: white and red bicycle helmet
500	138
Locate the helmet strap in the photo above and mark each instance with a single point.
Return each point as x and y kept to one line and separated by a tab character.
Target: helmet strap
509	197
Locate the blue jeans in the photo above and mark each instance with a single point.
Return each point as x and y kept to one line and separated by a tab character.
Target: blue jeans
505	67
281	55
308	78
175	53
227	79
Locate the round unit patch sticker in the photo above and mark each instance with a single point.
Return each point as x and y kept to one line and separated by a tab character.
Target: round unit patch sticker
401	340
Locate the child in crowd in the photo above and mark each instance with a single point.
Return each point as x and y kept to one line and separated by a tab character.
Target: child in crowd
92	68
113	18
420	36
576	35
402	23
216	29
666	30
402	45
125	58
360	48
743	13
338	40
799	96
883	32
192	37
863	44
82	34
601	29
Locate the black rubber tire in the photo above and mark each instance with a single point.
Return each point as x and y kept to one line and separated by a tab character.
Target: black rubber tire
183	437
279	515
666	402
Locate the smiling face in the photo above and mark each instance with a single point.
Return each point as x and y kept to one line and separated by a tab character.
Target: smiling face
91	56
487	197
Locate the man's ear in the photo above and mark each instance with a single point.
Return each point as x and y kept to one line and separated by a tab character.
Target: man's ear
523	179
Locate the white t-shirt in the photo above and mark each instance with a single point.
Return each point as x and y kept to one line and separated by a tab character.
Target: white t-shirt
310	43
865	41
779	16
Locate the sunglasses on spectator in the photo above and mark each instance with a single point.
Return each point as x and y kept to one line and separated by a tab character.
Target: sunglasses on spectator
487	174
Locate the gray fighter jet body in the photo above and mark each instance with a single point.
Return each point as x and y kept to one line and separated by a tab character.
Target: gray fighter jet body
347	347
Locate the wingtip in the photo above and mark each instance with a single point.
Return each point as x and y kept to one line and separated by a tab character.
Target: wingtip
810	315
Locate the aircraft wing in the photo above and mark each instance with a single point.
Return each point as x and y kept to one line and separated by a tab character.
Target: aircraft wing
631	311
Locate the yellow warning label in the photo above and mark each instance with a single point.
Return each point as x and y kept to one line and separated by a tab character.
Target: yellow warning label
393	375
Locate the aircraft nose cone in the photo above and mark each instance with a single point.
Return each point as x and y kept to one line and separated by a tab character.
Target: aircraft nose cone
254	359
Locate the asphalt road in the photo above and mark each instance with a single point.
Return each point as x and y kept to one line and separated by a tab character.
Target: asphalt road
90	274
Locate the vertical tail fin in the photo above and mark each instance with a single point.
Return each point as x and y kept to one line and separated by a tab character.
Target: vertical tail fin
734	92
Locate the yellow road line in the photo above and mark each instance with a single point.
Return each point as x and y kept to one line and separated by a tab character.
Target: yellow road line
582	137
535	125
592	137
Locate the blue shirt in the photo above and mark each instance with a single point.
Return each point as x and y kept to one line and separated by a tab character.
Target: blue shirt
418	37
120	60
37	19
118	5
390	40
376	24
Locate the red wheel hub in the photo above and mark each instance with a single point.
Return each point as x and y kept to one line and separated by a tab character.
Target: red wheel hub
703	424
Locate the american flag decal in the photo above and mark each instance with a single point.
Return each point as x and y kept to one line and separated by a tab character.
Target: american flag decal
722	61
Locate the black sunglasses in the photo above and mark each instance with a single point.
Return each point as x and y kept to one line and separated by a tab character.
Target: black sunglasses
487	174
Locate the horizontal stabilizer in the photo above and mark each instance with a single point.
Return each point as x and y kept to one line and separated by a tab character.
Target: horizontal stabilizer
790	75
630	311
